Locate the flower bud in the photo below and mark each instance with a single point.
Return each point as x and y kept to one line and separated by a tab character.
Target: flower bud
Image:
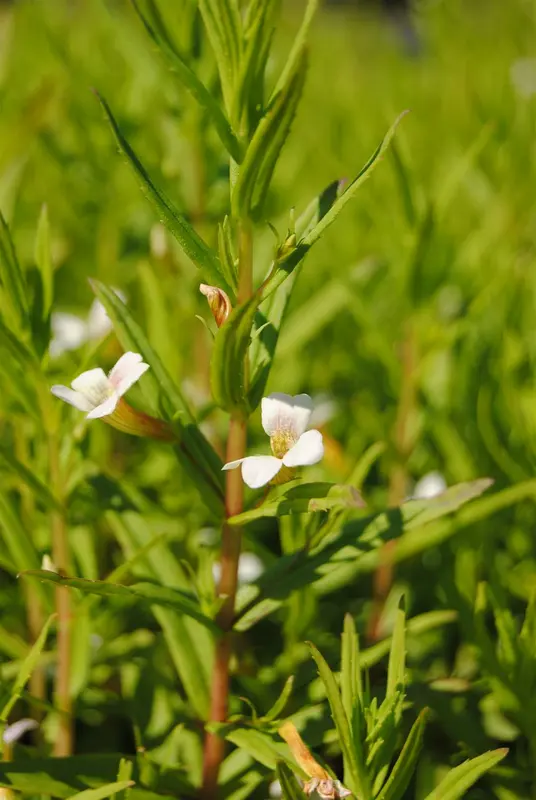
219	303
320	781
129	420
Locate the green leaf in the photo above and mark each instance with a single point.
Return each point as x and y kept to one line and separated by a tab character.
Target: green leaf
62	777
290	788
281	702
308	497
12	281
298	45
260	746
16	536
396	672
102	792
228	259
351	684
265	147
259	26
43	259
406	763
320	214
26	669
195	453
32	481
228	363
355	549
455	784
357	776
222	22
145	592
190	645
190	80
193	245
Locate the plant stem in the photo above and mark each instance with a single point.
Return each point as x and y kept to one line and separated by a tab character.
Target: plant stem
63	745
214	750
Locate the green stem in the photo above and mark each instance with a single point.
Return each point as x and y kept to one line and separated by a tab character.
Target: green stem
214	749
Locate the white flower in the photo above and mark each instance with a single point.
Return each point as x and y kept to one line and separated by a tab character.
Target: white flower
98	394
429	486
16	731
285	420
69	332
250	567
523	76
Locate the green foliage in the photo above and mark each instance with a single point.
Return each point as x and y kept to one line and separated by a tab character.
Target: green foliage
410	323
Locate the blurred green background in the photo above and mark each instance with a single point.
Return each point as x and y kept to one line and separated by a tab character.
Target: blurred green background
412	324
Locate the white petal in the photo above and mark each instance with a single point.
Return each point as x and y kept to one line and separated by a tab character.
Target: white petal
281	412
232	464
17	730
250	567
94	385
309	449
106	408
68	333
257	471
73	398
430	486
127	371
98	321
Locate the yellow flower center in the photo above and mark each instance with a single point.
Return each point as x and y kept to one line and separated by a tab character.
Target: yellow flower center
281	441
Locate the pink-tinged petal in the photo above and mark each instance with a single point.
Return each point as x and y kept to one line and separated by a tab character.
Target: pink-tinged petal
309	449
94	385
106	408
73	398
284	413
257	471
127	371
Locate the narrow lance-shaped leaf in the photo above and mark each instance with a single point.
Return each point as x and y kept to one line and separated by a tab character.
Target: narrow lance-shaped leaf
103	791
406	763
12	281
27	667
289	785
193	245
258	30
456	783
351	685
195	452
227	369
145	592
222	22
43	259
279	705
397	656
297	47
357	776
190	80
266	144
322	213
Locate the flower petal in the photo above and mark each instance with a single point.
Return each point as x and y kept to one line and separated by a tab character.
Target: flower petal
309	449
282	412
94	385
106	408
73	398
257	470
127	371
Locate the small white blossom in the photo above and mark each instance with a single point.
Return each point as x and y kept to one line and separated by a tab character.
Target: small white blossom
285	420
69	332
523	76
16	731
98	394
250	567
275	790
430	485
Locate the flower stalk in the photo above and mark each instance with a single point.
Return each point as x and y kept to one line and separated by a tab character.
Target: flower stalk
214	748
